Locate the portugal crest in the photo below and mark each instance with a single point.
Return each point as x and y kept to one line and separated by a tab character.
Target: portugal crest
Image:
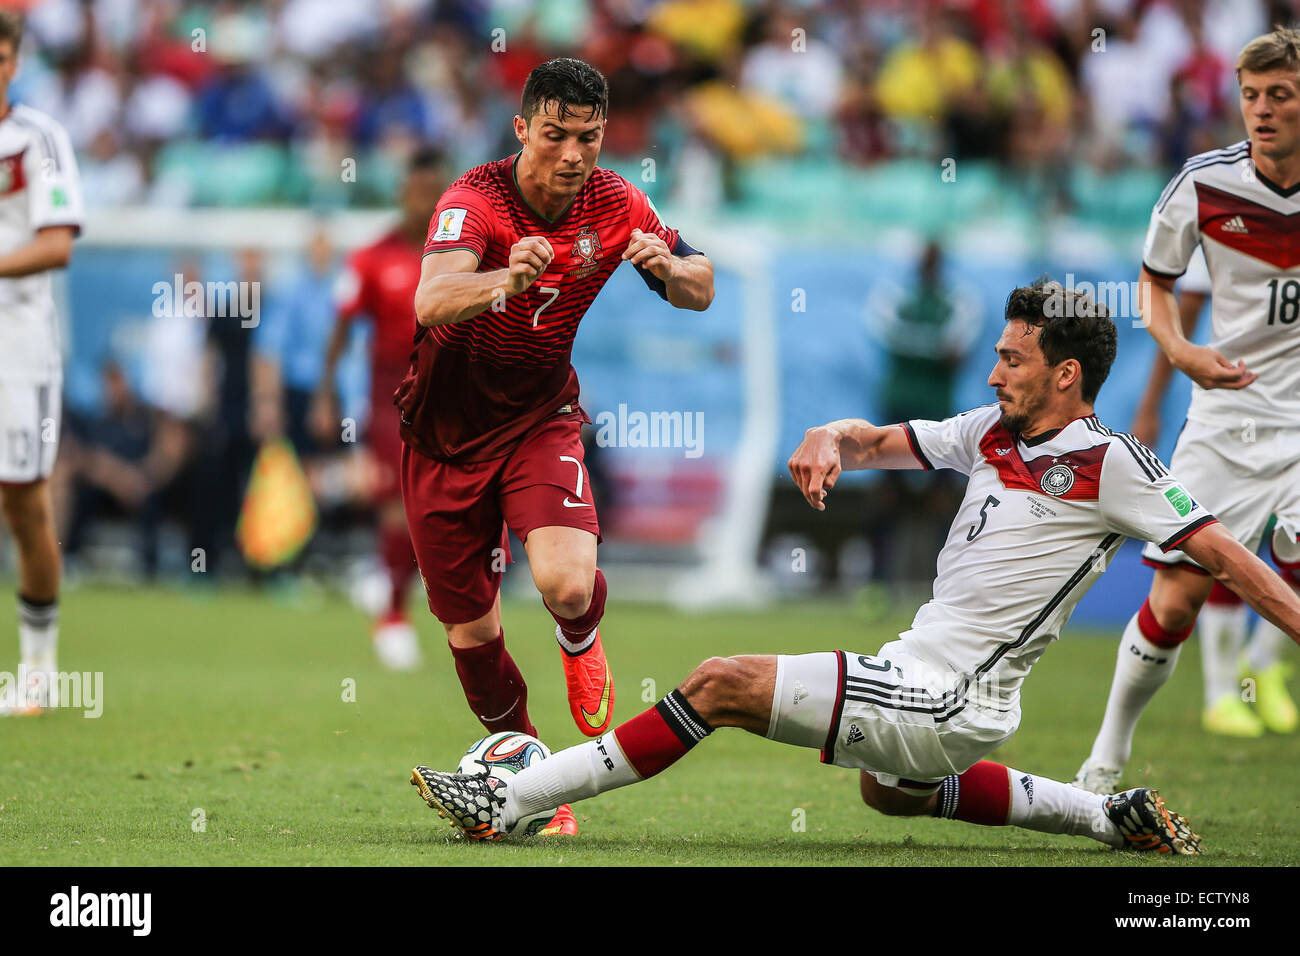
1057	480
586	246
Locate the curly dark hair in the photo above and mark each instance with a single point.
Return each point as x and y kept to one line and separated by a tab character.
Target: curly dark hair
1071	324
570	83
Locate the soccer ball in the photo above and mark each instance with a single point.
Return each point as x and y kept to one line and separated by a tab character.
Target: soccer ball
502	755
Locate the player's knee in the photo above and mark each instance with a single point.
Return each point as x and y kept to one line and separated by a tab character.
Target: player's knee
711	686
567	595
1174	610
24	513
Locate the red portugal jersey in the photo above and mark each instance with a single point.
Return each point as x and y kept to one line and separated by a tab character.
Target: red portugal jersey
380	281
476	387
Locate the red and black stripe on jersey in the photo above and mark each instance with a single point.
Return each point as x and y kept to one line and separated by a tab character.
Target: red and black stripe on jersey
999	449
476	387
1248	227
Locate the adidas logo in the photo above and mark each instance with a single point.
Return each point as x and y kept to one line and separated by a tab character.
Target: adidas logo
1235	224
800	691
1028	783
855	734
1004	451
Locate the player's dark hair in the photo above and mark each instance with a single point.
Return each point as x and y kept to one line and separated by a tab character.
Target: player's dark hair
425	158
1071	325
11	28
1279	50
572	85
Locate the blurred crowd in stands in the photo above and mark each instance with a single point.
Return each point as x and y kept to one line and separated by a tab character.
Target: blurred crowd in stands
234	102
815	109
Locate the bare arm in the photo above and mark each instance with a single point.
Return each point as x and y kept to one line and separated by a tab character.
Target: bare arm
51	249
1234	566
1146	423
323	415
451	290
1202	364
850	444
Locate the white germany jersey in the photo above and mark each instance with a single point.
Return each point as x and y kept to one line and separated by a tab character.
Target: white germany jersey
39	187
1038	524
1250	234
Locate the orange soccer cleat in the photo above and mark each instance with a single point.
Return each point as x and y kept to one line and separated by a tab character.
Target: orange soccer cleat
562	824
591	688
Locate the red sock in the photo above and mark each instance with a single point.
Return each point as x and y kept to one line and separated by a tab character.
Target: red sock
1222	597
494	688
1156	634
657	738
576	630
399	558
980	795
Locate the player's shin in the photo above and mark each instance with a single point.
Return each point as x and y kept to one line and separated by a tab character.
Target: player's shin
991	794
1147	655
399	560
633	751
494	688
1221	629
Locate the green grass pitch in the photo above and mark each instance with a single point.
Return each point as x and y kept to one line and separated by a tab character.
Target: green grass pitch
227	710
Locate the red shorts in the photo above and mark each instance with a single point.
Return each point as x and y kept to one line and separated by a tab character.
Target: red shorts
458	513
383	438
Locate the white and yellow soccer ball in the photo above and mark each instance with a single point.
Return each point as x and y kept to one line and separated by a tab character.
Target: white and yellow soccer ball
502	755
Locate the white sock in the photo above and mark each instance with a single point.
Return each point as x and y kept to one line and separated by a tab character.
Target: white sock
1266	645
1049	806
1222	630
1140	670
566	777
38	634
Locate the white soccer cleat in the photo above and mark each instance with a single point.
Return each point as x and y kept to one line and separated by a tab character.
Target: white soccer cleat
1097	779
397	645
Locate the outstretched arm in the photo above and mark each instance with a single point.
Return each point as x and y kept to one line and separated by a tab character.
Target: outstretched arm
1214	549
850	444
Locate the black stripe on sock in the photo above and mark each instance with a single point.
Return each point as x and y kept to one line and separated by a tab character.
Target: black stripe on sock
949	791
681	717
38	613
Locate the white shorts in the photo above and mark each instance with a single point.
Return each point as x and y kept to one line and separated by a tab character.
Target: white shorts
1240	475
29	429
891	714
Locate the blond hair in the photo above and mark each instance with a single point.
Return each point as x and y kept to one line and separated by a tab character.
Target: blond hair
1279	50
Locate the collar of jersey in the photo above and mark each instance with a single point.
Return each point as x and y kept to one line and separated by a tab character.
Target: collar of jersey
549	223
1050	433
1284	193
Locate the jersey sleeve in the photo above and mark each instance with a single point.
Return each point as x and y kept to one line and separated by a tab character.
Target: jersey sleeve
1197	277
351	292
1174	231
53	183
952	443
464	220
1141	499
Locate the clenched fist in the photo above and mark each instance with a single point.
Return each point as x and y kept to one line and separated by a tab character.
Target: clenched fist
529	258
650	253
